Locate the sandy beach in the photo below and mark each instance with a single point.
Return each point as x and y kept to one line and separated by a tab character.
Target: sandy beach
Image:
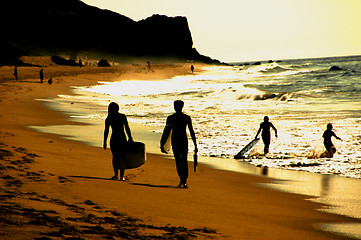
53	188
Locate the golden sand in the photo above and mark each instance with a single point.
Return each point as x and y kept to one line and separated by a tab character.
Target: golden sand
57	188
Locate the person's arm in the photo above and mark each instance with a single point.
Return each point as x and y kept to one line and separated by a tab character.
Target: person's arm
167	124
259	130
334	134
127	130
106	133
274	129
193	135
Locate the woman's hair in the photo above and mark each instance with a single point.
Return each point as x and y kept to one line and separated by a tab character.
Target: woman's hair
329	126
113	108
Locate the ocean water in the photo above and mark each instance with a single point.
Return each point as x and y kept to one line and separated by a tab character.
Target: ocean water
228	103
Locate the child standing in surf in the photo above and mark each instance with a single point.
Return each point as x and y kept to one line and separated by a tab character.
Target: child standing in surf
265	127
327	135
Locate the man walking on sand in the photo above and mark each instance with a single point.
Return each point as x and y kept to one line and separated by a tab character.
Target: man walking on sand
178	123
16	72
41	75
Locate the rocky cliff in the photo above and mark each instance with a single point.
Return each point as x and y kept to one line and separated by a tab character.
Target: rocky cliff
49	27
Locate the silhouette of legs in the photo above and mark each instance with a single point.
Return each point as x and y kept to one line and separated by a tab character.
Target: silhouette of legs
117	155
182	168
266	141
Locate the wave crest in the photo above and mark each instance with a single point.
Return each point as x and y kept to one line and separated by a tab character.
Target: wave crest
266	96
274	68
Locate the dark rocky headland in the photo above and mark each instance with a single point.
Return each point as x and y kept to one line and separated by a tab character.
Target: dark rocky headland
71	28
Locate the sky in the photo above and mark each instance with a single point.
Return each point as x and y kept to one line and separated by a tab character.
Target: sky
252	30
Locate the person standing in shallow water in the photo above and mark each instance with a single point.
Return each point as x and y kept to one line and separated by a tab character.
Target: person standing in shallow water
178	122
327	135
118	139
265	127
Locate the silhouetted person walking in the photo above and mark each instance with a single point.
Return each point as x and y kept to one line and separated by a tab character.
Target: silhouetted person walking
118	139
265	127
178	122
16	72
327	135
192	68
41	74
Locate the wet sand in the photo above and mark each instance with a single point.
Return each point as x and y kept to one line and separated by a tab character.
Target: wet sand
56	188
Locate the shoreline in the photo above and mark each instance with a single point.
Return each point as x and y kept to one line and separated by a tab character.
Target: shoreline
321	186
149	194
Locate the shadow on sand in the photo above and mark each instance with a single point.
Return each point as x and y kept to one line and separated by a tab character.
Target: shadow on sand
95	178
137	184
153	185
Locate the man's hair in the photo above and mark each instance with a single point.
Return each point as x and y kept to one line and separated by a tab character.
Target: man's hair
178	105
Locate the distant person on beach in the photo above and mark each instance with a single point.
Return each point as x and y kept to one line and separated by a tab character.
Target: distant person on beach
178	123
118	139
41	74
148	66
192	68
265	127
16	72
327	135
